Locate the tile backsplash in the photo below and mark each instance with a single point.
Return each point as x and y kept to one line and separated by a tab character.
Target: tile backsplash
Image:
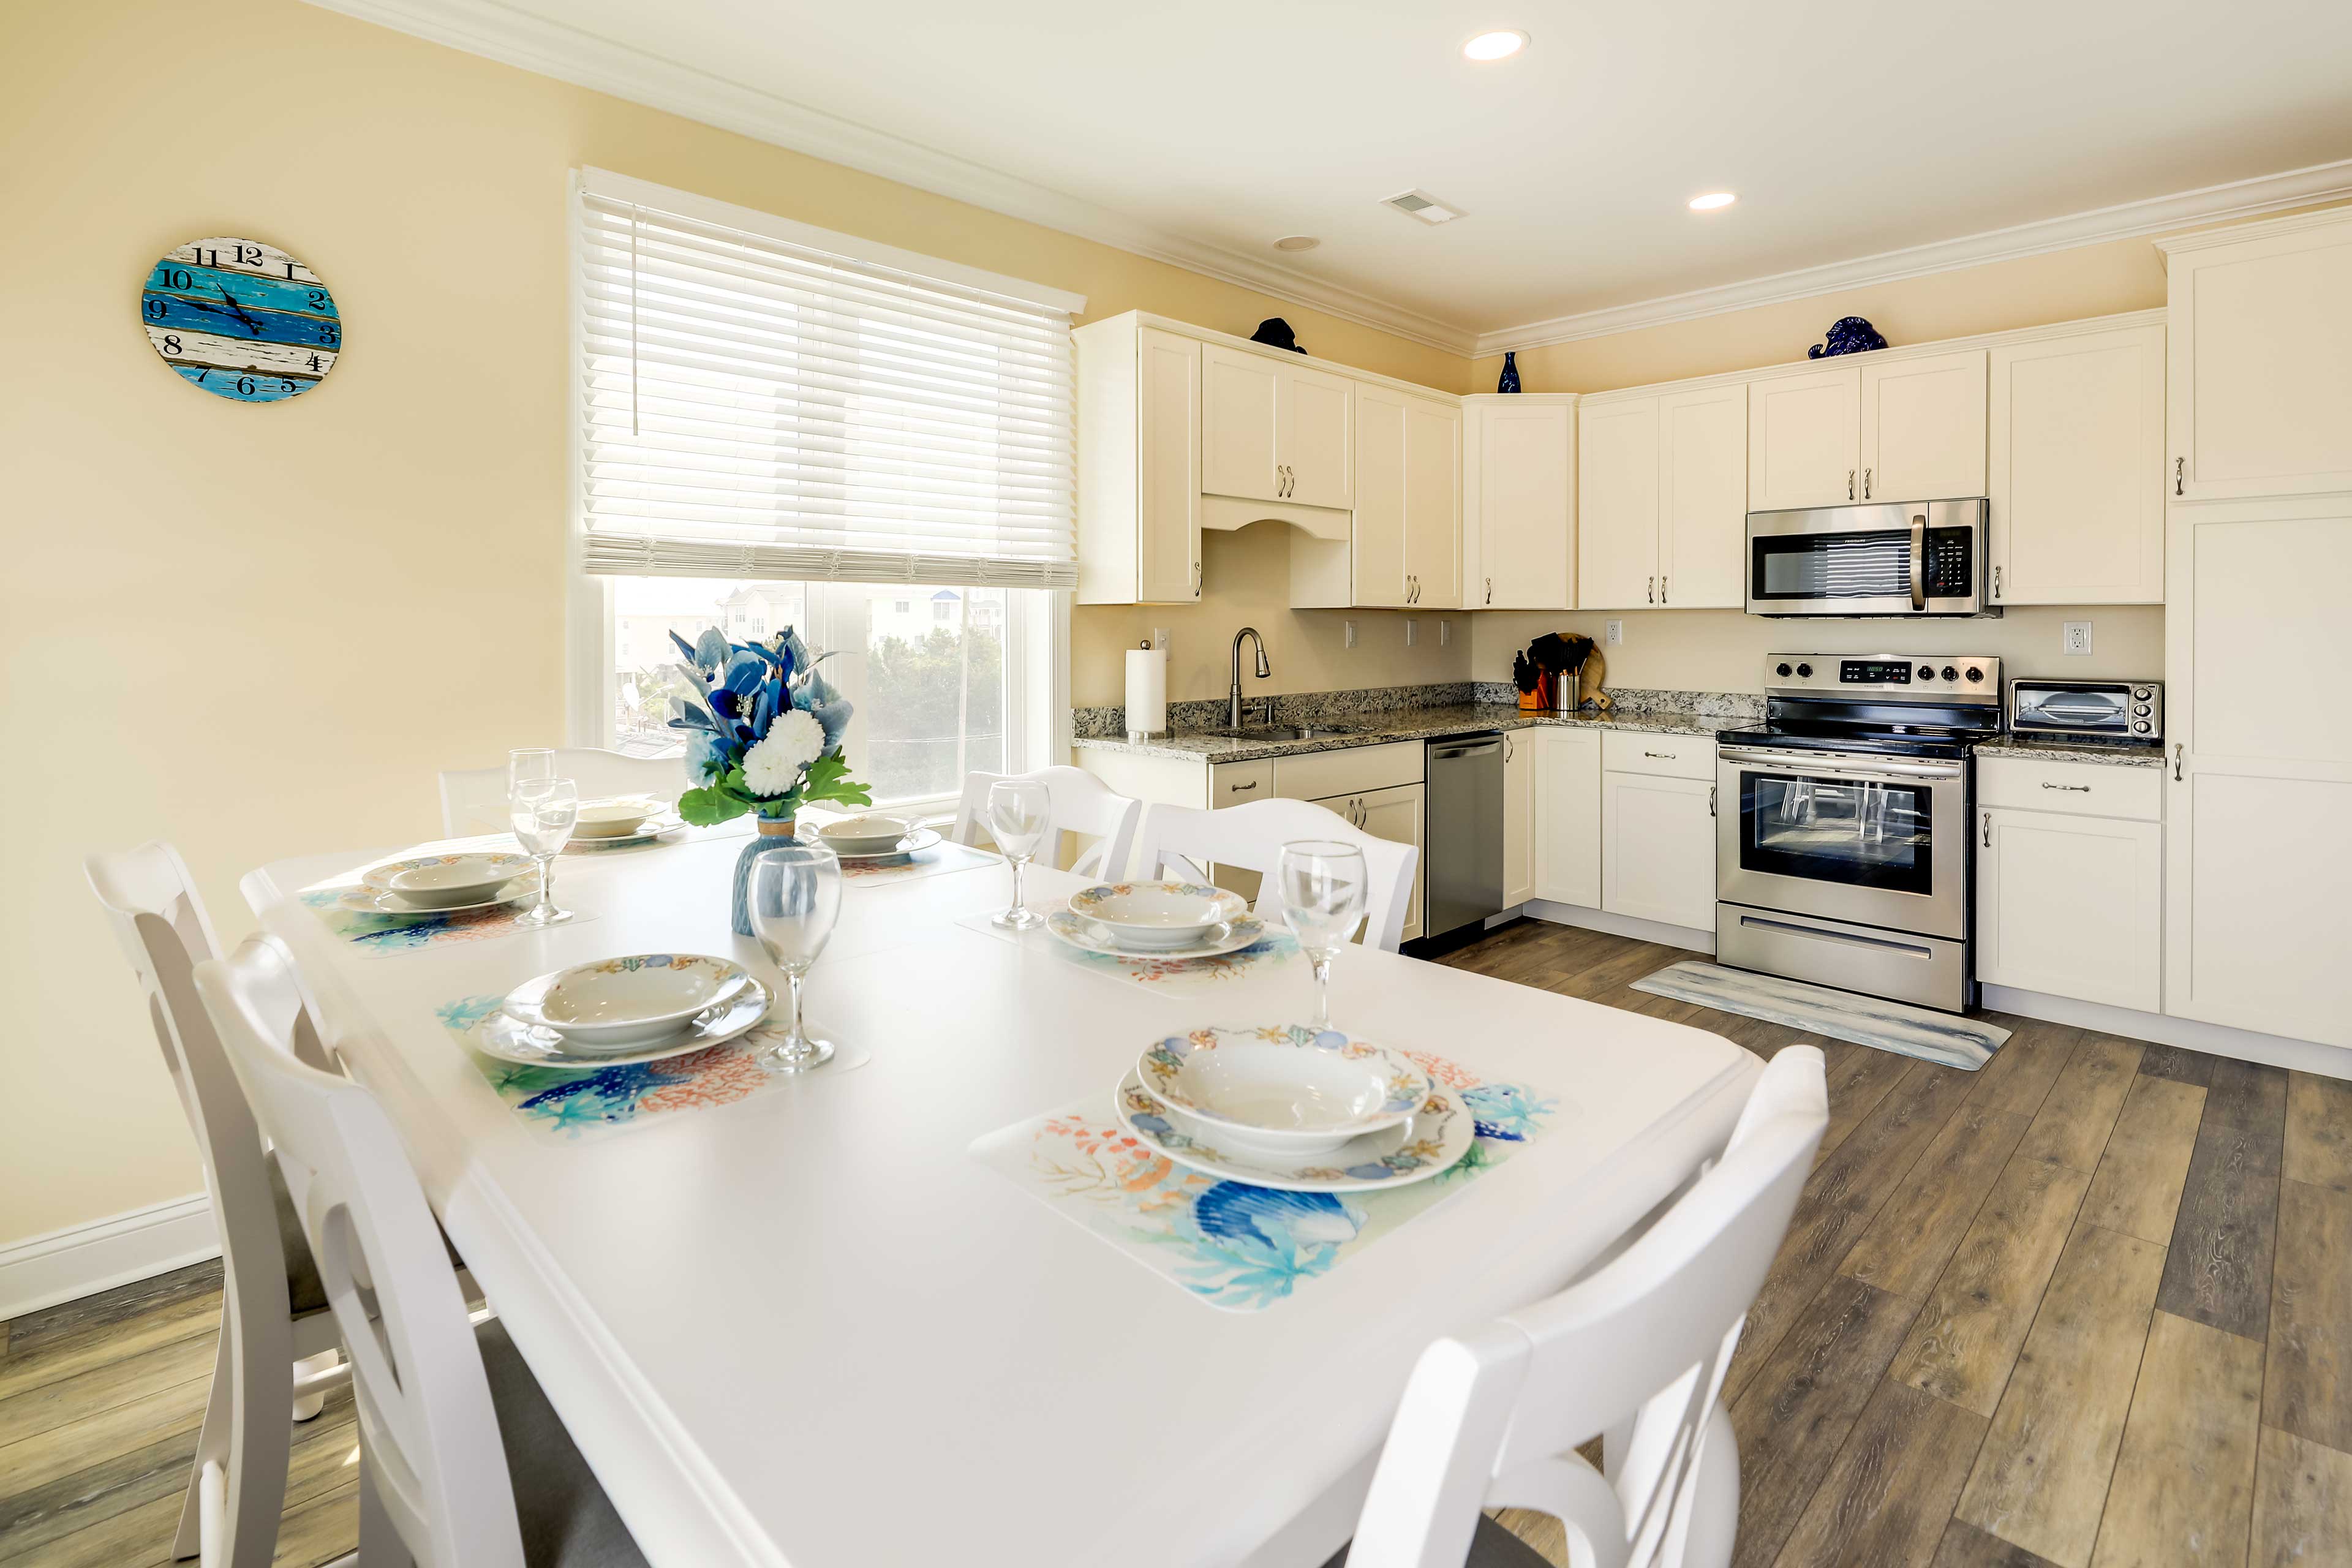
1306	706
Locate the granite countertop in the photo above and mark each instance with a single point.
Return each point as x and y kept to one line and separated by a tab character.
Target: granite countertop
1416	724
2044	748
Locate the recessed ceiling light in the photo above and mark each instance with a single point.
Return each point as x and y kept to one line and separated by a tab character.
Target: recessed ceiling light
1296	242
1500	46
1420	204
1712	200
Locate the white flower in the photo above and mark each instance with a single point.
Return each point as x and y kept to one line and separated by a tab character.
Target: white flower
773	765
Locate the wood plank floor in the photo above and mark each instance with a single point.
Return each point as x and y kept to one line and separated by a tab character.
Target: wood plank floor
2090	1306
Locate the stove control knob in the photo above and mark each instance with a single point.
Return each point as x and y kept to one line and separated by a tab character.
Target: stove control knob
2140	726
2141	693
1925	673
1974	673
1781	671
2140	709
1804	671
1951	674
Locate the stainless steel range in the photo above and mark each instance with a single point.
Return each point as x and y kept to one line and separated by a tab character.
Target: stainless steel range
1843	829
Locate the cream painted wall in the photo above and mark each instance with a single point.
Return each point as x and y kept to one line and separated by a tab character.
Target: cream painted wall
259	631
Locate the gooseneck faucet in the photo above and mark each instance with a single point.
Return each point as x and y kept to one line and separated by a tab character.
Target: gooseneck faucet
1264	670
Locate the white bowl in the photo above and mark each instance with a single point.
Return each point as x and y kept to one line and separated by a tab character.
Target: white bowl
444	882
864	835
618	1003
1283	1087
1155	916
615	818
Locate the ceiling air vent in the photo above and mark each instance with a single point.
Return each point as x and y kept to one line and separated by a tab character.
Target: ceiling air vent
1421	206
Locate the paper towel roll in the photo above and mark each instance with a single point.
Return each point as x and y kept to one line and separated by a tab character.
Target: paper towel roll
1147	692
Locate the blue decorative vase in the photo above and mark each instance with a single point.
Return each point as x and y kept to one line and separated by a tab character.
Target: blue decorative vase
1848	335
1510	382
771	834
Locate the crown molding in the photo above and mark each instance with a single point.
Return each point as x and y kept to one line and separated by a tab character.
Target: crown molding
2213	204
550	49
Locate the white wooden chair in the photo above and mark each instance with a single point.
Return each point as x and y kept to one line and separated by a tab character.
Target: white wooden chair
278	1341
1083	803
1178	840
1637	1350
462	1459
474	800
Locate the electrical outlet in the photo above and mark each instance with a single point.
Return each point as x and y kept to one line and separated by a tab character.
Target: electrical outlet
1412	631
2078	637
1444	633
1616	633
1351	633
1161	638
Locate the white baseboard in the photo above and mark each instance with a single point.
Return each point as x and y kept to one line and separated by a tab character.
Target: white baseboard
2188	1034
1631	926
41	1271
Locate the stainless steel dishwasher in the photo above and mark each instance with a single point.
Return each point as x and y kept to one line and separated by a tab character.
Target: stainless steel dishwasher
1462	864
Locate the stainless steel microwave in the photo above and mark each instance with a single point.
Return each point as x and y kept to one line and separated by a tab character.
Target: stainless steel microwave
1897	558
2088	710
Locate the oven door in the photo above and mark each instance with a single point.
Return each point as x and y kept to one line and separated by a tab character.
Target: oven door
1879	841
1922	558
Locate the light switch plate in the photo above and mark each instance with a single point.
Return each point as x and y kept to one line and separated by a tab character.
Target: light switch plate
1412	631
1616	633
1351	633
1444	633
1161	637
2078	637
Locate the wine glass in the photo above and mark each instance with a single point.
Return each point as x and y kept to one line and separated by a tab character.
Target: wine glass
542	812
1322	884
528	763
1019	812
794	896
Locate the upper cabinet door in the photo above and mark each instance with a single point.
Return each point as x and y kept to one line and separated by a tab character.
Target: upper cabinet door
1168	468
2076	469
1702	499
1314	429
1526	523
1432	501
2262	366
1922	428
1804	440
1617	506
1380	525
1240	414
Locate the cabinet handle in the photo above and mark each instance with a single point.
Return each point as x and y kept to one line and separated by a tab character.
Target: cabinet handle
1866	484
1196	579
1988	829
1490	590
1996	582
1849	484
2071	789
1710	799
1662	588
2177	748
1509	750
1237	789
1660	757
2178	465
1651	593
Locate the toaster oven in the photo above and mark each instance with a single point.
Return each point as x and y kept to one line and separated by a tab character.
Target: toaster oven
2128	710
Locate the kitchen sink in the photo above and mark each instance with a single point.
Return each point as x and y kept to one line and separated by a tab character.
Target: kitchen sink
1287	732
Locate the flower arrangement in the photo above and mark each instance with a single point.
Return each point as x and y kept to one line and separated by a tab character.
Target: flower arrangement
766	735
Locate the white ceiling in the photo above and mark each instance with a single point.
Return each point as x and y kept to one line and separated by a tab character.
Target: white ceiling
1207	129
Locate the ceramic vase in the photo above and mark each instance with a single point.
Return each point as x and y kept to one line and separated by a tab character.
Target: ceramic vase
772	832
1510	380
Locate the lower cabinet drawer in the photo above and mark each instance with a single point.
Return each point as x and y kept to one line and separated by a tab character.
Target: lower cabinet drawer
1356	770
1672	756
1238	784
2084	789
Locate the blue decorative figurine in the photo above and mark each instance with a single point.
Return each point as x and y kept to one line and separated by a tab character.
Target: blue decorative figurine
1510	382
1849	335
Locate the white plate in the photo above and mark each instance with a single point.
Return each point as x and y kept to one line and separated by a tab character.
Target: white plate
636	999
1428	1144
445	881
652	827
1282	1088
1152	916
920	838
1095	937
616	817
522	888
874	835
512	1040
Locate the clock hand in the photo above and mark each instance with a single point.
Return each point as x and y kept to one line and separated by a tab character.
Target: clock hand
250	324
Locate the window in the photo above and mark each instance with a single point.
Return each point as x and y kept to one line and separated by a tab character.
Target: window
785	428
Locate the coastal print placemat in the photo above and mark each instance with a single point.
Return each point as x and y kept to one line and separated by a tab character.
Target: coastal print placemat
344	910
937	861
1164	976
567	1104
1235	1246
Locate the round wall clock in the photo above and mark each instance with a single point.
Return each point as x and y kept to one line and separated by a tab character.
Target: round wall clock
241	319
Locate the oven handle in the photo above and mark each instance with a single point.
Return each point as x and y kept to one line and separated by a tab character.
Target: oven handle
1919	561
1882	773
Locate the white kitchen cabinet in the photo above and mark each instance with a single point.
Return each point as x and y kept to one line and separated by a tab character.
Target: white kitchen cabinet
1657	860
2260	359
1617	505
1567	814
1923	428
1519	501
2075	468
1394	814
1804	439
1408	489
1702	499
2071	905
1272	431
1518	817
1138	464
2258	841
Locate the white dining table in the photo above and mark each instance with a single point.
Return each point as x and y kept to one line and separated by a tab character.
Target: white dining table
808	1328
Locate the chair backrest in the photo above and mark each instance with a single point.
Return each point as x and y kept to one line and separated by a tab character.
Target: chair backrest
474	800
1181	841
1492	1417
1083	803
152	906
428	1430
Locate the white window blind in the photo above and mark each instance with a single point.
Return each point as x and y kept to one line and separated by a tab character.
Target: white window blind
763	399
